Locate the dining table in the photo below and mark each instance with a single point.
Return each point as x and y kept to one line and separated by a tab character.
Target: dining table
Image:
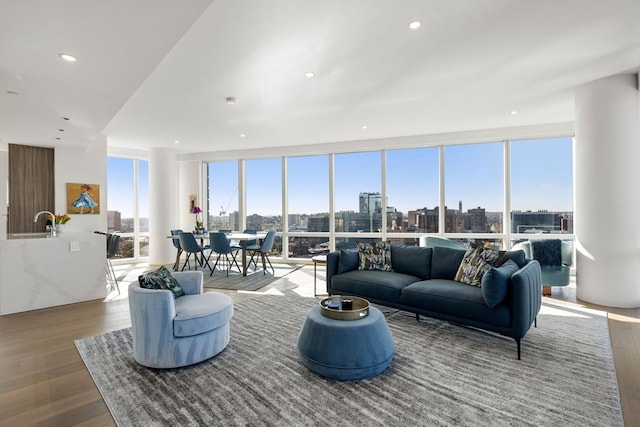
245	237
234	235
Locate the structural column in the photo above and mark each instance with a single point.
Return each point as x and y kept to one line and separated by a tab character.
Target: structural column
163	204
607	191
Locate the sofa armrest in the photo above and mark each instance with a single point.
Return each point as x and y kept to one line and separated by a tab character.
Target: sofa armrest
526	297
333	260
190	281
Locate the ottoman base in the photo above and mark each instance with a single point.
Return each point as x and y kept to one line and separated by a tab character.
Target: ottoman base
346	350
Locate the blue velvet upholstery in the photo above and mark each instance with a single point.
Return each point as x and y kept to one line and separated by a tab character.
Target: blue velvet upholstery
495	283
510	314
412	260
171	332
445	262
346	350
348	260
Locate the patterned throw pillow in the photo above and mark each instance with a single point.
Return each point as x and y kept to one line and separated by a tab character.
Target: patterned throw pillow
161	279
476	261
374	256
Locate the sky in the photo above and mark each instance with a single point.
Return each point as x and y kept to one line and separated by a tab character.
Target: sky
541	178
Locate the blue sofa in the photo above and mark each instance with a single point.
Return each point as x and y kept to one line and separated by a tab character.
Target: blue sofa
422	283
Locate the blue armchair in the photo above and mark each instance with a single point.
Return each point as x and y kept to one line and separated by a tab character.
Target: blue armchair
170	332
555	265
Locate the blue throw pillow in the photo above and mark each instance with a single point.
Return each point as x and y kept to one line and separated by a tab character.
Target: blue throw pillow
495	283
348	260
161	279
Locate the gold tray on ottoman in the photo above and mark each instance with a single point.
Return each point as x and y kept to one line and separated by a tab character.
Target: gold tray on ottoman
337	307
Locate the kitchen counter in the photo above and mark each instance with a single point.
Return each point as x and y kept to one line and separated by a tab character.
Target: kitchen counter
39	271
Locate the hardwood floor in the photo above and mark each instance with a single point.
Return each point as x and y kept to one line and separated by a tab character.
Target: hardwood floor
43	381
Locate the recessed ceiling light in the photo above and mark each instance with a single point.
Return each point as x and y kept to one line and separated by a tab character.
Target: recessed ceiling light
67	57
309	74
364	127
176	142
242	135
514	112
414	25
230	100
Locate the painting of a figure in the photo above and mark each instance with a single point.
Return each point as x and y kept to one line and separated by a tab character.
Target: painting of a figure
83	198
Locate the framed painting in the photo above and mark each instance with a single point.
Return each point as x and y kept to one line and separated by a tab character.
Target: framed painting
83	198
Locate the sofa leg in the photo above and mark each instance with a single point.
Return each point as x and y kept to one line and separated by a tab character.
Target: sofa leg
518	344
546	291
417	317
535	322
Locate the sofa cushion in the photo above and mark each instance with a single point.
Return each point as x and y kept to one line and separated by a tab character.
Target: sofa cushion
161	279
196	314
517	256
445	262
476	261
374	256
375	284
348	260
454	300
413	260
495	282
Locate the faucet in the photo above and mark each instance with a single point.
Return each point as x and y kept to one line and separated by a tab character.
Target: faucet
53	221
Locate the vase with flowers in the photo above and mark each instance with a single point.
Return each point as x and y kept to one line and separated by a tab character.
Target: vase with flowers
61	220
199	224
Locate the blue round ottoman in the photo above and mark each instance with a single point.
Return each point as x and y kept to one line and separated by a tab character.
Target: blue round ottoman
346	350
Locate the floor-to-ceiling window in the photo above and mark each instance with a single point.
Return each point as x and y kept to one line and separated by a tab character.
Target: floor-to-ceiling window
128	205
308	205
398	195
358	196
223	196
412	182
264	197
541	186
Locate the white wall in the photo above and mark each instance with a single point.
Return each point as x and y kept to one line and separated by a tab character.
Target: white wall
76	165
4	192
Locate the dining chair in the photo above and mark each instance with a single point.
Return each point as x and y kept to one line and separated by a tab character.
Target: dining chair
220	244
245	243
113	247
263	250
176	244
190	246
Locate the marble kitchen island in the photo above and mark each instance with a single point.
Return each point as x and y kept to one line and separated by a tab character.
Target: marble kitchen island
39	271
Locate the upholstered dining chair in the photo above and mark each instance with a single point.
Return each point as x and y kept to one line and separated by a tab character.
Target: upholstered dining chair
170	331
220	244
263	250
176	244
190	246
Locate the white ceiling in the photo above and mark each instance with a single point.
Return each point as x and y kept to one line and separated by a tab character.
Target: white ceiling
150	72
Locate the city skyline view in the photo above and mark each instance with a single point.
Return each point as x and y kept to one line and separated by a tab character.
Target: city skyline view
541	179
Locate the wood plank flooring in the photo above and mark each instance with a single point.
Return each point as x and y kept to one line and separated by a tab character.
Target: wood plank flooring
43	381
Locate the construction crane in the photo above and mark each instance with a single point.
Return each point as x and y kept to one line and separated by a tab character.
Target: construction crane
222	211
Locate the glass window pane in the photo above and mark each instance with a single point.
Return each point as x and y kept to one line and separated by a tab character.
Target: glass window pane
264	194
308	193
412	190
307	247
542	186
119	195
223	196
474	188
358	199
143	198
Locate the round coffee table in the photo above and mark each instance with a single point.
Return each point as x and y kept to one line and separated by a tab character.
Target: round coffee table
346	350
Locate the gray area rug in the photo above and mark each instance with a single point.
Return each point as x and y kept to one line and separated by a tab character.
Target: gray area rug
442	374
